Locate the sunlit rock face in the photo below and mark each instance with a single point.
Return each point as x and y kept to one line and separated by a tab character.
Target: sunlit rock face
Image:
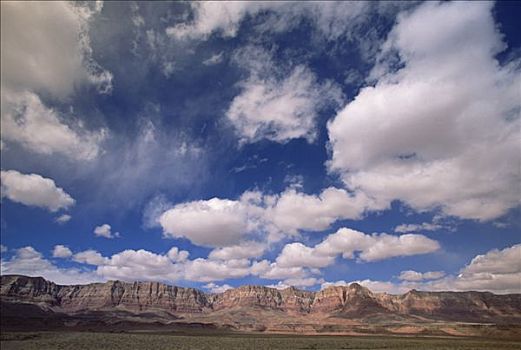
289	299
137	296
349	302
29	289
353	300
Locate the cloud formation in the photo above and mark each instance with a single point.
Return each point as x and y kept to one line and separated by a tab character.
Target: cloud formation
496	261
414	276
90	257
245	250
105	231
38	128
215	222
331	20
347	243
61	251
425	226
277	109
298	255
224	222
46	48
216	288
34	190
434	125
207	270
214	59
177	255
28	261
292	210
46	52
443	131
497	271
141	264
374	286
62	219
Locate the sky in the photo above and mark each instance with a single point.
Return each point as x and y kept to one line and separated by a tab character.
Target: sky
307	144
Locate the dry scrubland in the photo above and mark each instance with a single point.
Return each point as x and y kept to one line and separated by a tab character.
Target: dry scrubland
97	341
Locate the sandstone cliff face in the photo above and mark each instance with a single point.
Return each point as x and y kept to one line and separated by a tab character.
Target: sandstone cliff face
297	301
93	296
137	296
353	301
453	305
330	299
360	300
146	295
290	299
247	296
30	289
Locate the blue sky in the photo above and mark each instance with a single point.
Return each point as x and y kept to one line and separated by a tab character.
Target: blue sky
220	144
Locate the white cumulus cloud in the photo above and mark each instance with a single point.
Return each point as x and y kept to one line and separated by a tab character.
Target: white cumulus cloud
62	219
411	275
46	52
132	265
28	261
214	222
497	271
27	121
273	271
443	131
374	247
242	251
230	223
46	48
205	270
297	282
61	251
105	231
177	255
496	261
298	255
277	109
90	257
34	190
292	211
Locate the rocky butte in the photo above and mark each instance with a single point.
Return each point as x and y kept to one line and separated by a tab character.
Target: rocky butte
35	303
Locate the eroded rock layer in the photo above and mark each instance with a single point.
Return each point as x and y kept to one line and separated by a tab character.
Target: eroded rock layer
353	301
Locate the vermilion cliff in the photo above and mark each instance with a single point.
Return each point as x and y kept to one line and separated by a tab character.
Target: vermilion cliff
255	306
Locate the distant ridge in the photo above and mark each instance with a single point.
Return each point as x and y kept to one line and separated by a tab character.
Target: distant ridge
247	307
